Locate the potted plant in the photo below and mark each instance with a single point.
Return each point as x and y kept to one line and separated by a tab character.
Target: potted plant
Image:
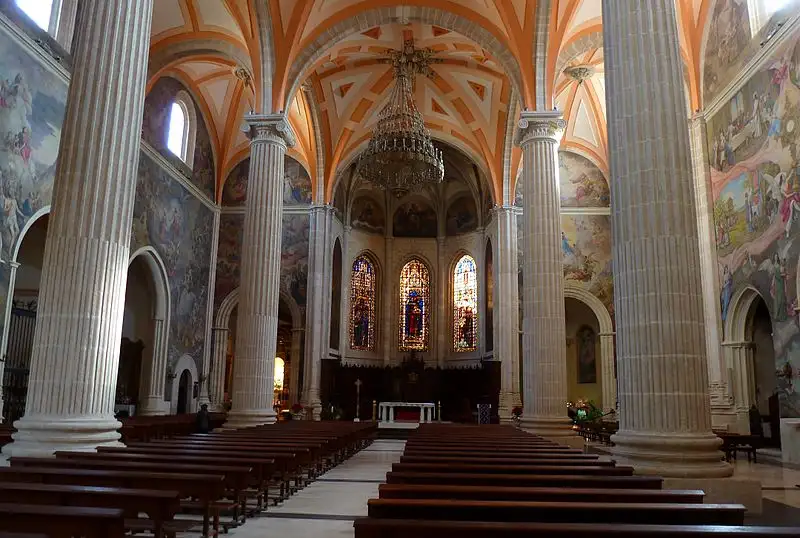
516	414
298	411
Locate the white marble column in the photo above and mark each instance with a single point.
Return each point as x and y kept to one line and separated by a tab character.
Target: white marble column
62	22
743	383
257	319
12	281
545	355
444	332
155	373
318	339
219	357
75	351
506	310
608	376
388	336
208	348
297	359
665	419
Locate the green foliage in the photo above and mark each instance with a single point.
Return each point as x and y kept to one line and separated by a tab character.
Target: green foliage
331	412
593	414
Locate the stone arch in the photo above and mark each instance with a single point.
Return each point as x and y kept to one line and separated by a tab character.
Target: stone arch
151	393
371	18
738	316
607	369
185	363
585	43
27	226
231	301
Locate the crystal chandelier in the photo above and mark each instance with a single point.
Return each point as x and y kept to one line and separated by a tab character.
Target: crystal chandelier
401	156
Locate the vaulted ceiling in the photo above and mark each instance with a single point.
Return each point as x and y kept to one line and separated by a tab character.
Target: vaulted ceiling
320	61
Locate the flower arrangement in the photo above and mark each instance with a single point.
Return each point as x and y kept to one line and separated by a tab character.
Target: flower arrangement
517	411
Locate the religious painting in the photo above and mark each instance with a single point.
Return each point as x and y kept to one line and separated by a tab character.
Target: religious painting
586	247
754	153
368	215
582	182
339	200
587	361
363	289
415	285
465	305
155	127
234	191
415	219
168	217
229	246
728	37
462	216
296	183
294	256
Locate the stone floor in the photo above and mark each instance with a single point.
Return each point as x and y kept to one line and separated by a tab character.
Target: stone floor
327	508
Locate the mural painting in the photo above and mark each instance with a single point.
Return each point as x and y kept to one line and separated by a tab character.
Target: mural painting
339	201
171	219
155	126
414	219
587	360
368	215
462	217
582	182
586	245
296	184
754	146
32	105
294	256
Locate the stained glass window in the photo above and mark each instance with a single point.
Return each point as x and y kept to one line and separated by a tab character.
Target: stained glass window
362	305
465	305
415	283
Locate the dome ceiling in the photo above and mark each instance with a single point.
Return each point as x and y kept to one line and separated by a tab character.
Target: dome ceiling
320	61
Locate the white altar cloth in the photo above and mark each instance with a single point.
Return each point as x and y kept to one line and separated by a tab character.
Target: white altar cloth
386	411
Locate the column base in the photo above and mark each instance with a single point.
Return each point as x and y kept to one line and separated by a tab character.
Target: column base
249	418
671	455
556	429
153	407
40	436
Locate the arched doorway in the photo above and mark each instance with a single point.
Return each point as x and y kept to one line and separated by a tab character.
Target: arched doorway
143	349
185	387
751	353
184	392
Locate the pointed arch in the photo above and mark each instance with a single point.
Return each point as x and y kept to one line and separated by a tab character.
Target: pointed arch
415	310
363	316
465	303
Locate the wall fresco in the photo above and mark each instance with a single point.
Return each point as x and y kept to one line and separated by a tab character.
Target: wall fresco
582	183
367	214
296	184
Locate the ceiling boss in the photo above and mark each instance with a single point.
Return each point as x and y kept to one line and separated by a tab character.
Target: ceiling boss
401	156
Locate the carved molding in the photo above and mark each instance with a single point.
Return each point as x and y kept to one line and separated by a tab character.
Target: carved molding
270	128
540	126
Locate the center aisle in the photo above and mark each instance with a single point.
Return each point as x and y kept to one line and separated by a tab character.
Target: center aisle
328	507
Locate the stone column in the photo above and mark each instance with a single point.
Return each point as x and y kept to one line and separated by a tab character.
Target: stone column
155	371
665	420
389	276
506	313
219	358
257	319
545	357
743	384
317	343
444	332
75	351
12	280
62	22
297	358
208	349
608	375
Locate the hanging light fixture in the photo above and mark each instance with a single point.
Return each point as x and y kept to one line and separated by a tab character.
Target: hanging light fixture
401	156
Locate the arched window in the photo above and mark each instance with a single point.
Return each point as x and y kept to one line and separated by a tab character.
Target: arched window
415	283
40	12
182	128
465	305
363	287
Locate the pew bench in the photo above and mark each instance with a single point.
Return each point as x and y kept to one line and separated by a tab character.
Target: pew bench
513	469
526	480
558	512
62	521
480	460
397	528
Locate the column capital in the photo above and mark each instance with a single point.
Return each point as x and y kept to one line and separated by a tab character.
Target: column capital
270	128
546	126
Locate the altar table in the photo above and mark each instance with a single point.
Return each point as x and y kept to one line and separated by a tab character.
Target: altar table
386	411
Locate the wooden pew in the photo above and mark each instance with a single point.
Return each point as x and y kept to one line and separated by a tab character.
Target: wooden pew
62	521
526	480
540	494
512	469
480	460
396	528
208	489
159	505
558	512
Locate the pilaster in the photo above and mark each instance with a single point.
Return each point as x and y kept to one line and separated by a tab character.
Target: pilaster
219	337
75	350
152	392
506	313
257	319
12	282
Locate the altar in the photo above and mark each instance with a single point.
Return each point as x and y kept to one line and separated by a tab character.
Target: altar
387	411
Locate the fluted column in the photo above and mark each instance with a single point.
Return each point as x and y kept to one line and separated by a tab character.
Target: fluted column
155	372
63	21
607	376
297	359
12	280
665	419
208	348
317	343
506	316
75	351
219	357
545	371
257	319
388	336
444	333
